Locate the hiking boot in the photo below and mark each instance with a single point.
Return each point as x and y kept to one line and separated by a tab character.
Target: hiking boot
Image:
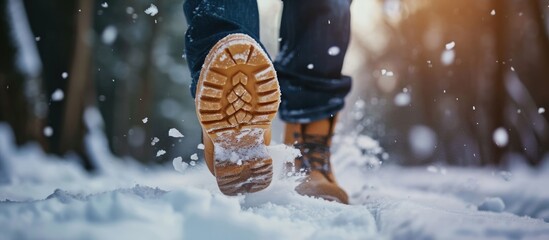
237	97
314	140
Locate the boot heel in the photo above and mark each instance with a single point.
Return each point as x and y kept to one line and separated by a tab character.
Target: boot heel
237	98
241	161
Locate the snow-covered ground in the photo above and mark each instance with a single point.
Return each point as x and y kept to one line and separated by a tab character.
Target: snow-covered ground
43	197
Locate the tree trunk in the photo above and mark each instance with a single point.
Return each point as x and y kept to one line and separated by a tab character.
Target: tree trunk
79	90
20	69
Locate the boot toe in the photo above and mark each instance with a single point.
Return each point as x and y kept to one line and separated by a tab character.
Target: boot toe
322	188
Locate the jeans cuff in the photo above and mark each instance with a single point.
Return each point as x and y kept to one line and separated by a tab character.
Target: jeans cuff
308	98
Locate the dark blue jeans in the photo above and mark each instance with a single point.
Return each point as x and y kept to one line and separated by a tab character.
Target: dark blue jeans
314	38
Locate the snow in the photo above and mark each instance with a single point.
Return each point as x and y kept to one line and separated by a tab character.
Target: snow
402	99
175	133
129	10
310	66
333	51
160	152
224	150
541	110
200	146
239	57
27	57
432	169
492	205
179	165
109	35
447	57
194	157
154	141
145	120
57	95
385	72
152	10
500	137
450	45
104	5
48	131
423	141
64	75
360	104
392	8
493	12
46	197
367	143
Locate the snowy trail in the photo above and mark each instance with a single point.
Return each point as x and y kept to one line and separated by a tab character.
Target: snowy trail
42	197
423	205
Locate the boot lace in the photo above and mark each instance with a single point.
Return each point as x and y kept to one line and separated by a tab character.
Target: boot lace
315	153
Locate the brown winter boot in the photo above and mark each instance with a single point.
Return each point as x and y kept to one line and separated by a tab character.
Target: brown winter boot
237	97
314	140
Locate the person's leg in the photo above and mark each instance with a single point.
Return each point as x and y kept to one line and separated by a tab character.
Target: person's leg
210	21
314	38
236	92
315	35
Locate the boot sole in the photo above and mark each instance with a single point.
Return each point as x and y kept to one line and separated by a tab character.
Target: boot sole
237	97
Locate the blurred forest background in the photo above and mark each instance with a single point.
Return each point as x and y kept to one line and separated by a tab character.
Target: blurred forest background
450	82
